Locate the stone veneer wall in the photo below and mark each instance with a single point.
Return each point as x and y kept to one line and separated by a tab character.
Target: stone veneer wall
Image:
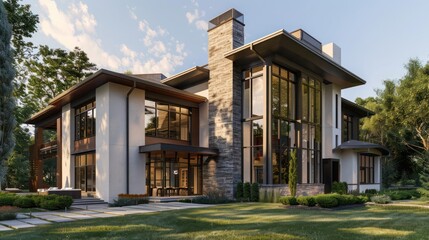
224	95
271	193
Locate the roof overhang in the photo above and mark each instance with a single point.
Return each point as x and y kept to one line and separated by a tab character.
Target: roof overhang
282	44
357	109
159	147
189	77
101	77
359	145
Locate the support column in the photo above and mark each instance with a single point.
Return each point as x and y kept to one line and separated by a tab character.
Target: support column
38	141
59	154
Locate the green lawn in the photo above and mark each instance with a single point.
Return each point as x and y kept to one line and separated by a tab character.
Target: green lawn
245	221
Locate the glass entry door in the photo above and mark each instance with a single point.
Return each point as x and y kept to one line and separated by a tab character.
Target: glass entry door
85	172
173	174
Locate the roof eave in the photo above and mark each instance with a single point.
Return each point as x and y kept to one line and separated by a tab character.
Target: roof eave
281	40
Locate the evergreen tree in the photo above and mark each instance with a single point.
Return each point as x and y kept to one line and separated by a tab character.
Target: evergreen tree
7	102
293	173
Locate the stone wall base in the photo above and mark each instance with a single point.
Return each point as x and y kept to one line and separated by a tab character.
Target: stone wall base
272	193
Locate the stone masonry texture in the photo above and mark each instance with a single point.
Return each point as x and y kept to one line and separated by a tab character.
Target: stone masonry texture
225	133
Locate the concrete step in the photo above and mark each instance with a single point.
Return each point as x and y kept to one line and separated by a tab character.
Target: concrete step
88	201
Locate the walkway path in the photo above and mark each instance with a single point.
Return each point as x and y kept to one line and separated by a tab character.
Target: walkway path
27	220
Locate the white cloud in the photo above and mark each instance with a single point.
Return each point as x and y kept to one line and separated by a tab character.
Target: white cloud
201	25
76	26
128	52
191	16
194	17
132	13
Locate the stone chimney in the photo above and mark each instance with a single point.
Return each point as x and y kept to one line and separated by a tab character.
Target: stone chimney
225	33
333	51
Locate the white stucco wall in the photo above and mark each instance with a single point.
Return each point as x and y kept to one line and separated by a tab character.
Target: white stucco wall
329	129
137	138
67	140
202	90
111	141
348	167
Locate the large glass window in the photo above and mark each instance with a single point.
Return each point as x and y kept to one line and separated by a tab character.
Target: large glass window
311	129
85	121
253	125
167	121
367	169
283	133
85	172
347	127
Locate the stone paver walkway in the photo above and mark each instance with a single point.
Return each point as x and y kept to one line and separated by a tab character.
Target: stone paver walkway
25	220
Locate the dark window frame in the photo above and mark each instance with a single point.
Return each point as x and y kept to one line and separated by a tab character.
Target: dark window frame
367	169
81	112
183	111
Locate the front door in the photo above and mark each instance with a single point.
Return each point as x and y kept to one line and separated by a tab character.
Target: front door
331	173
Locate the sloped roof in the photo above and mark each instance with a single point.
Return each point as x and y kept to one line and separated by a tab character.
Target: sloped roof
354	144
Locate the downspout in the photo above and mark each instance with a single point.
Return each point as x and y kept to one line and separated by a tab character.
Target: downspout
128	136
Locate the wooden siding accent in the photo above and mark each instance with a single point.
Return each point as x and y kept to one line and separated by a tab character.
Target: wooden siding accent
153	140
195	130
84	145
59	153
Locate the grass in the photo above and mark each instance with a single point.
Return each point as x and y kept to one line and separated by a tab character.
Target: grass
245	221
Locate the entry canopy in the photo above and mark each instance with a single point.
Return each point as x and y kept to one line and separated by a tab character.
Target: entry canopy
359	145
158	147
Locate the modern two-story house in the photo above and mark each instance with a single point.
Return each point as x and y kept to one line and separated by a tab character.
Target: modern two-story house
237	118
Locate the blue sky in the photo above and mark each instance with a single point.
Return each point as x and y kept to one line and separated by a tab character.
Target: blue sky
376	37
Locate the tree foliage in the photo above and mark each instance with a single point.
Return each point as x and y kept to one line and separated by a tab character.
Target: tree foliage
53	71
7	102
402	123
293	173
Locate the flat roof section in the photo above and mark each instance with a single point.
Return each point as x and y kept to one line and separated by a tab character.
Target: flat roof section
283	44
357	109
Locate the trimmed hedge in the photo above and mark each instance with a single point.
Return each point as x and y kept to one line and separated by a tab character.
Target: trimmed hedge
56	202
402	194
339	187
239	193
7	199
246	191
326	201
381	199
288	200
306	201
254	196
24	202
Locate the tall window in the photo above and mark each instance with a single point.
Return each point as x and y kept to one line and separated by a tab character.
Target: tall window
85	172
167	121
85	121
253	125
283	133
367	169
311	129
347	127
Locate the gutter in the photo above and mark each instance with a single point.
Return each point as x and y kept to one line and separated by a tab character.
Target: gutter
128	136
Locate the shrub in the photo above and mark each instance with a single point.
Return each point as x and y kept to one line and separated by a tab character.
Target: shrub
55	202
255	192
381	199
37	199
326	201
212	197
370	191
288	200
24	202
362	199
124	195
239	193
293	173
402	194
246	191
128	202
424	193
306	201
8	213
7	199
339	187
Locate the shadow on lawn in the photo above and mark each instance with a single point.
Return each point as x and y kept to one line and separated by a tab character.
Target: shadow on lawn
241	221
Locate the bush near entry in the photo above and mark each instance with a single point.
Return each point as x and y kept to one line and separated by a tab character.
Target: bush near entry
339	187
49	202
247	192
324	200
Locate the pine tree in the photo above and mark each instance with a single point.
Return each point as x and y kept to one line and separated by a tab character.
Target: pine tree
293	173
7	102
